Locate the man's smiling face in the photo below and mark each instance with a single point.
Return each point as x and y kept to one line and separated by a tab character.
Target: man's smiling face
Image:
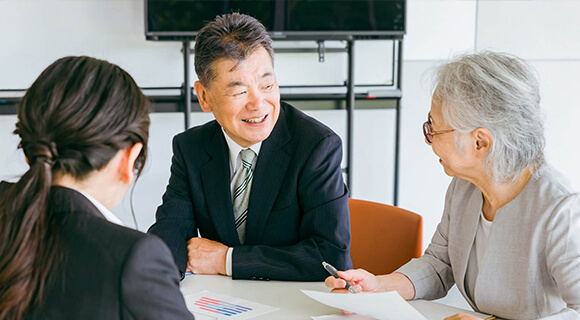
244	97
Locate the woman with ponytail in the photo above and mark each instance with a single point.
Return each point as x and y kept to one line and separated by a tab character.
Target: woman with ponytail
84	126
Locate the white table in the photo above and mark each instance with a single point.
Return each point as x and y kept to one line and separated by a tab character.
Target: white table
286	295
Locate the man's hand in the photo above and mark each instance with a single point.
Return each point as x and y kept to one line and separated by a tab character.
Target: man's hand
206	256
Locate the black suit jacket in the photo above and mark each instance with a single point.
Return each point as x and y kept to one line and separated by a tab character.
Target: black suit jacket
298	208
109	272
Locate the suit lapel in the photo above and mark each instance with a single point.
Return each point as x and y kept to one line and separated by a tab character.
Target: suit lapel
215	178
469	222
271	168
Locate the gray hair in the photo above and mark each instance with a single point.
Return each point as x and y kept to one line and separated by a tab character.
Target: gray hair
498	92
232	36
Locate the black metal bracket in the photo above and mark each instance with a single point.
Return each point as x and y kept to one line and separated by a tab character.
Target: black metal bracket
321	50
186	84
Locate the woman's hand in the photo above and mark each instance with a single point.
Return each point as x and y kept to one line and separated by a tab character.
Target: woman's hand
364	281
361	280
462	316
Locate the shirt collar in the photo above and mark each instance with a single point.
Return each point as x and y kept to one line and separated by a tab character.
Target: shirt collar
111	217
235	149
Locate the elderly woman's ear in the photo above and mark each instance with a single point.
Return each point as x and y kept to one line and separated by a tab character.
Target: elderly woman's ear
483	140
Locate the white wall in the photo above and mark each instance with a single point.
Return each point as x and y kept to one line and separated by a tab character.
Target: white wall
36	32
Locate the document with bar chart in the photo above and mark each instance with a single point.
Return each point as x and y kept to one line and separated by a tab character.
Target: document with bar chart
208	305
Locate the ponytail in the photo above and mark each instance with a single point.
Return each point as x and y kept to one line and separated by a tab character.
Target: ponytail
72	121
28	241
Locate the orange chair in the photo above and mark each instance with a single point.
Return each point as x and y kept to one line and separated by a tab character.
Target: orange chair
383	237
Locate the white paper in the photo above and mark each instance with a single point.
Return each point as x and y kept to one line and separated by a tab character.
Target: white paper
353	316
199	316
384	305
218	306
434	310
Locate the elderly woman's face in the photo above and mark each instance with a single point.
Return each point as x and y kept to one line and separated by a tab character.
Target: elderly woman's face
455	162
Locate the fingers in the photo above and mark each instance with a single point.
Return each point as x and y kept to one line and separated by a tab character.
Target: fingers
202	244
338	285
354	275
192	244
206	256
332	282
190	267
196	243
461	316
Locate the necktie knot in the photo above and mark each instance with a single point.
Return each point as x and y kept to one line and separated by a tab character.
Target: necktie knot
247	156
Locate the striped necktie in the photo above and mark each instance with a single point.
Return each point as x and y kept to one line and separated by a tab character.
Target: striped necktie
241	195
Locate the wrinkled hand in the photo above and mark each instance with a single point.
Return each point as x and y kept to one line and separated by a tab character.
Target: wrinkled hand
206	256
360	279
462	316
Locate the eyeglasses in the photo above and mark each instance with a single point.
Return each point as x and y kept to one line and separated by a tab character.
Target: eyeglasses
428	130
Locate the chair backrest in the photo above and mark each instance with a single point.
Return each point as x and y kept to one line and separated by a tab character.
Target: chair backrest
383	237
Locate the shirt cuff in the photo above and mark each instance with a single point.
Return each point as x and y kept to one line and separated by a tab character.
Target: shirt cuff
229	262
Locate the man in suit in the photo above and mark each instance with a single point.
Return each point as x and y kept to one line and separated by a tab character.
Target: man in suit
262	183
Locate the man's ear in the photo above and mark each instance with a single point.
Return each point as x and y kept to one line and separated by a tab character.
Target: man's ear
202	96
127	163
482	141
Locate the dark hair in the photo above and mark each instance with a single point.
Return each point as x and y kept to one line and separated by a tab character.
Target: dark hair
73	120
233	36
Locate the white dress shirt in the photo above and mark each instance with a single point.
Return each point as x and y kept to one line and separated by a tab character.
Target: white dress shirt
111	217
235	165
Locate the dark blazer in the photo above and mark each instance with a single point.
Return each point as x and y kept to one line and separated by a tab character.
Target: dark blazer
298	208
109	272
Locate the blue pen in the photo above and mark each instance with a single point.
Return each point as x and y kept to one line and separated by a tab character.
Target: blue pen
332	270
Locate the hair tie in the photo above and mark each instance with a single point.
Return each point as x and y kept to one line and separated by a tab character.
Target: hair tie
41	150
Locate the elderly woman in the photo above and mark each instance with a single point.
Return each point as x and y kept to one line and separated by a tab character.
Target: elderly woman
510	232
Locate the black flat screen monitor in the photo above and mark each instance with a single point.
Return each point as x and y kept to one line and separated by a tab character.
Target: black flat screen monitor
284	19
